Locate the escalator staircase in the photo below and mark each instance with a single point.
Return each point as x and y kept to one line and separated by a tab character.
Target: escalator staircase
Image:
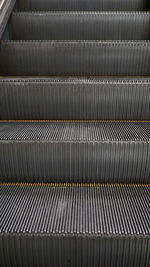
75	133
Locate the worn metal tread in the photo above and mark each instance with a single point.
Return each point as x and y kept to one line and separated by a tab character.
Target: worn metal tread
82	5
77	226
80	25
31	58
76	98
115	152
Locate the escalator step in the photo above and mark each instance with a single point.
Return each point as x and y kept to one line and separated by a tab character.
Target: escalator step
114	152
25	58
74	98
80	26
73	226
83	5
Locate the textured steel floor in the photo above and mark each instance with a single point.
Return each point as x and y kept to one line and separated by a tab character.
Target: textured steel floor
75	131
75	226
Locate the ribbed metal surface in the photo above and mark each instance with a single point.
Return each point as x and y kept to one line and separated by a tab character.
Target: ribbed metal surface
75	152
80	98
75	210
80	26
76	131
74	58
128	5
75	226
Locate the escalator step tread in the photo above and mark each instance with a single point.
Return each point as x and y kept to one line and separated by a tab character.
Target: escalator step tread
31	58
76	131
77	225
75	209
85	25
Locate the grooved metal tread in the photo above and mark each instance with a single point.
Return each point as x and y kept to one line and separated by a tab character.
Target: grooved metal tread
75	98
80	26
31	58
74	226
116	152
75	131
63	5
91	210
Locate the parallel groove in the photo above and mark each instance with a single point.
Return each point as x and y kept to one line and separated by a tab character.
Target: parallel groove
74	189
76	132
74	58
75	152
93	201
52	98
74	226
85	25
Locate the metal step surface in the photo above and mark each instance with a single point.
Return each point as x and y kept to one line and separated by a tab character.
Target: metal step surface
31	58
103	152
82	5
80	26
74	98
74	226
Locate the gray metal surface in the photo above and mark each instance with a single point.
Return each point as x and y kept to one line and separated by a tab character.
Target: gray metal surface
78	98
63	5
6	7
74	58
80	26
74	226
75	152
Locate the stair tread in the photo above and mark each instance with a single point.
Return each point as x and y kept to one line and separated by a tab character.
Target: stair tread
103	210
80	25
75	131
47	225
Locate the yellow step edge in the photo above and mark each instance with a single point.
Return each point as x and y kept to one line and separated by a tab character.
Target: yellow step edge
141	121
74	184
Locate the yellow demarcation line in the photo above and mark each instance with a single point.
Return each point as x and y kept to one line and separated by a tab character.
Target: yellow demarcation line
75	121
75	184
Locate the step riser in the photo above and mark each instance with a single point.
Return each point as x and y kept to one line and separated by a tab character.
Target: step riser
74	58
128	5
78	251
80	26
115	152
76	99
74	162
